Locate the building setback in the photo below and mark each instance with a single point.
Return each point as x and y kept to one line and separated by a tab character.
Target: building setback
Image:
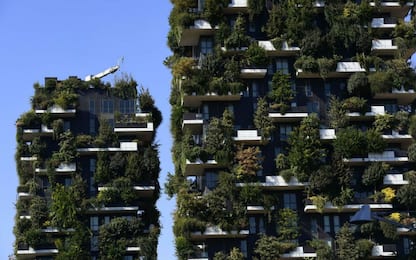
287	117
88	172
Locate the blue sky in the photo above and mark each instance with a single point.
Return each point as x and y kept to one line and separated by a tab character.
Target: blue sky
64	38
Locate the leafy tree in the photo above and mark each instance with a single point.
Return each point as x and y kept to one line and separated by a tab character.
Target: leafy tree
281	93
64	209
262	120
412	126
322	179
358	85
238	37
375	142
287	225
337	114
267	248
350	142
256	55
115	236
248	161
322	249
305	152
406	195
213	11
345	244
384	122
374	174
411	152
106	136
183	247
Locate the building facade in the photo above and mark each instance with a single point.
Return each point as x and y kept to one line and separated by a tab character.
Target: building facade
88	172
287	117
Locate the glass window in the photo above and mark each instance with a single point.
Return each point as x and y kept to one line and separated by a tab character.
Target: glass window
211	180
106	219
127	106
255	106
243	246
313	107
285	131
252	225
92	106
255	89
205	112
107	106
231	109
67	125
68	181
93	189
314	228
206	45
261	226
336	224
327	224
406	245
94	223
128	257
92	165
94	243
327	89
252	26
92	125
282	66
308	90
289	201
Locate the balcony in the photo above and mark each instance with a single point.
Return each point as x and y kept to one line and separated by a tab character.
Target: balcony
23	192
394	179
343	69
193	122
124	147
295	114
236	7
217	232
250	73
143	130
31	253
327	134
383	23
397	137
394	8
57	111
142	190
330	208
195	100
299	252
374	111
29	158
403	97
383	251
30	133
383	47
257	210
62	169
108	210
250	137
278	183
190	36
198	167
285	50
390	157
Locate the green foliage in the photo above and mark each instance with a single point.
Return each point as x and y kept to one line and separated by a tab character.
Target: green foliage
287	174
326	66
287	225
337	114
354	104
120	190
389	230
411	152
322	249
305	150
148	244
364	248
319	201
67	148
374	174
262	120
321	180
250	194
65	207
406	194
125	87
238	37
412	126
375	142
213	11
345	244
183	247
106	136
256	55
29	119
115	236
380	82
281	93
350	142
358	85
306	64
384	122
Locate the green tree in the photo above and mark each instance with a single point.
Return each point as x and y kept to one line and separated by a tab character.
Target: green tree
248	162
238	37
281	93
262	120
374	174
337	115
350	142
305	149
345	244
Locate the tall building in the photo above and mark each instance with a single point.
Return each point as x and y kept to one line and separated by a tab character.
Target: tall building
288	117
88	172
